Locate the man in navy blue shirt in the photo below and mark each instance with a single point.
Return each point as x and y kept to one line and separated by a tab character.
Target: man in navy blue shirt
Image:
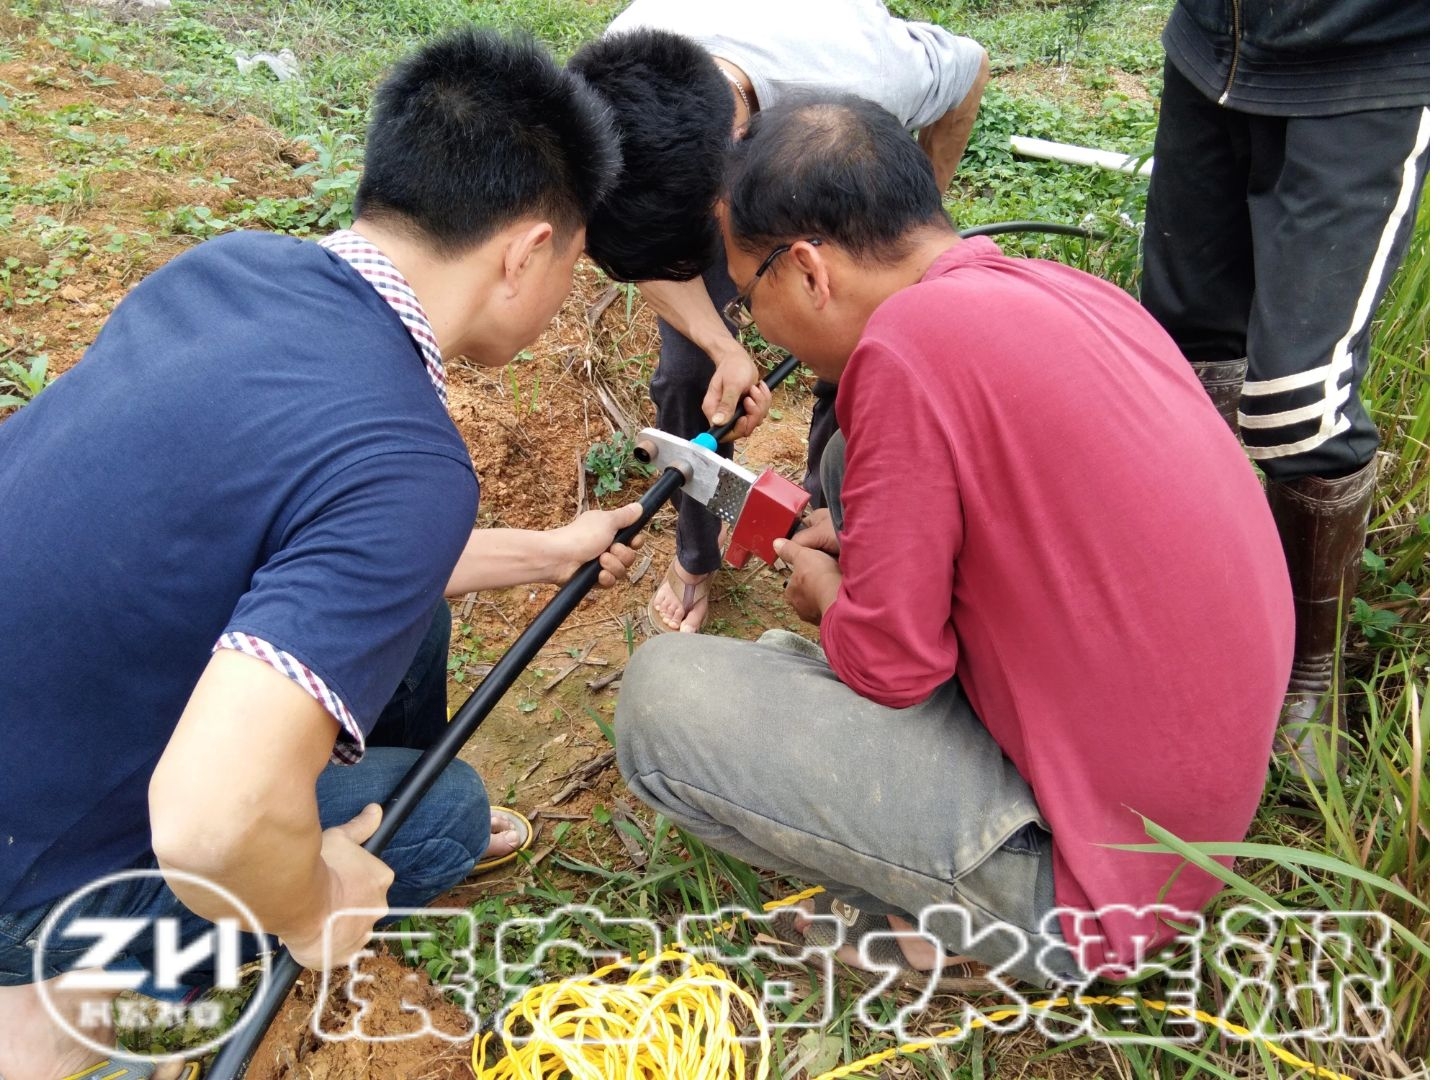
227	532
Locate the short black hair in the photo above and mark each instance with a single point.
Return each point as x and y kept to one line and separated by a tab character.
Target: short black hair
837	167
475	130
675	115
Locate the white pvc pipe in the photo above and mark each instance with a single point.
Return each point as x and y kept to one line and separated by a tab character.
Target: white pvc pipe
1077	155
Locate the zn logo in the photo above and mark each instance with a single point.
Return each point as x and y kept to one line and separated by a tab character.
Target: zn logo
109	964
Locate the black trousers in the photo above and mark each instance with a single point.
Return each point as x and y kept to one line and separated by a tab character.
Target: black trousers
678	390
1274	238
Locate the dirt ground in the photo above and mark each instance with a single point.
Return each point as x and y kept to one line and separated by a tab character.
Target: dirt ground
1060	83
292	1049
132	113
527	428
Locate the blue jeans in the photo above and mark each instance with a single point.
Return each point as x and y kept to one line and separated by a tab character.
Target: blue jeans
436	847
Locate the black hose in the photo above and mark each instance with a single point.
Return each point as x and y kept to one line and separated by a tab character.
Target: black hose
234	1057
999	227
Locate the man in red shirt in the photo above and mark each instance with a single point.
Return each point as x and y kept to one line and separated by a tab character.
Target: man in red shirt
1052	602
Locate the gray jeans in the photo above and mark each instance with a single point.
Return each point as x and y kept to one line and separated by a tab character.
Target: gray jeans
761	751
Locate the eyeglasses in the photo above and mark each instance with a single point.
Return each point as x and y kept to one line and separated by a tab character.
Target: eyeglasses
738	309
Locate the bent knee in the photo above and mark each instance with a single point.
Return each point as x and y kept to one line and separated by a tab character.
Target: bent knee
674	685
448	833
461	793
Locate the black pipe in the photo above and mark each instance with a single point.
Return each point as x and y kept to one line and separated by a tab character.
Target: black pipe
233	1058
998	227
778	374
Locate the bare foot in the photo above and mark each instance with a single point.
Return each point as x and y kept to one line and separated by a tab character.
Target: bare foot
34	1047
920	954
503	837
919	951
669	605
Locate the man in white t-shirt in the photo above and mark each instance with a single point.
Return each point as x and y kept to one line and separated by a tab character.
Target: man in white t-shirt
683	78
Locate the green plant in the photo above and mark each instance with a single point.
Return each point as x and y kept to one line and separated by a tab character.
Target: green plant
25	378
1080	15
198	221
86	48
523	404
1376	625
8	270
337	173
611	462
467	655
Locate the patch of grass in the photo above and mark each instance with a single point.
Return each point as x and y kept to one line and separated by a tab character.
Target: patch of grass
469	657
1397	394
1073	35
994	185
343	46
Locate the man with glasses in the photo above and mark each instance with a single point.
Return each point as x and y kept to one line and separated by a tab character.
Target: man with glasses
1040	612
682	79
738	309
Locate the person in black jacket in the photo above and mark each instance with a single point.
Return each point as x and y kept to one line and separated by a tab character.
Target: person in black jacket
1292	149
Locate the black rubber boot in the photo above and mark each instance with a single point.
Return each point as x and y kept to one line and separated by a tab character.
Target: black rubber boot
1223	381
1322	529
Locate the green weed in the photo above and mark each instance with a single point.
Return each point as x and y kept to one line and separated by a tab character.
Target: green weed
22	380
612	461
336	169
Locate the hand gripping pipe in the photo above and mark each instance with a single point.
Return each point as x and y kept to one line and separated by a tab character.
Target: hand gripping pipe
234	1057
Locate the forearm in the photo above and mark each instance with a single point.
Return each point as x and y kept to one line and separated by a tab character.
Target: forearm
889	633
945	140
499	558
686	305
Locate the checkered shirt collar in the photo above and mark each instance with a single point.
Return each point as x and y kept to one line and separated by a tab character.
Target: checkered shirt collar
372	264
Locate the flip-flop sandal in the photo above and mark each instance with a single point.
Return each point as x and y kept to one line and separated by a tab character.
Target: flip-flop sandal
521	824
118	1069
963	977
690	594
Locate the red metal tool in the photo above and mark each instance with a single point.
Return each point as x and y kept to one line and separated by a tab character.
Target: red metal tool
760	509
